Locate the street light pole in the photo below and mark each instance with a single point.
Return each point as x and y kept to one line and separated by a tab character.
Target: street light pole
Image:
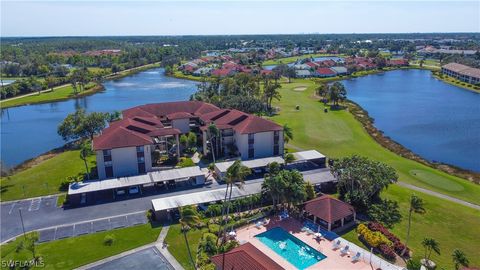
23	226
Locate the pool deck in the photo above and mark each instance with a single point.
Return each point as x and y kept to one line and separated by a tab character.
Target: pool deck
333	261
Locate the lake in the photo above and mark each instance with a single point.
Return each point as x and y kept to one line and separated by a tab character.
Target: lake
29	131
435	120
438	121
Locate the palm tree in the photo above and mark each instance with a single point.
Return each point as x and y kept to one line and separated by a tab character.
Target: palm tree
85	151
416	206
289	158
188	218
236	173
459	258
212	134
287	133
430	245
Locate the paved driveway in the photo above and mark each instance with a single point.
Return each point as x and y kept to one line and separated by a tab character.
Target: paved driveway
42	213
149	258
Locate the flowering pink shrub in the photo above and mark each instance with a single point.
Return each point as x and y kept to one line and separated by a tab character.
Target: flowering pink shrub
398	246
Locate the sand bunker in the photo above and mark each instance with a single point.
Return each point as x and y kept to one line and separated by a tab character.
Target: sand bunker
300	88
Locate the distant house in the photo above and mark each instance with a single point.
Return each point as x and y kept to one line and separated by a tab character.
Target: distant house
245	256
204	71
223	72
265	72
325	72
461	72
303	73
398	62
340	70
301	66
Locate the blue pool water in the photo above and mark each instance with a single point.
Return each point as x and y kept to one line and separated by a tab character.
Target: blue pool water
290	248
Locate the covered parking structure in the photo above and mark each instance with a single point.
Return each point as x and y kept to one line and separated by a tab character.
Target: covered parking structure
310	156
258	166
165	207
99	190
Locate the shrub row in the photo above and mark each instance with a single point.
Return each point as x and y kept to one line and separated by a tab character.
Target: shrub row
398	246
376	240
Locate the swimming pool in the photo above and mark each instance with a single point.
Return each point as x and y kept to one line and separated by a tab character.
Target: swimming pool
290	248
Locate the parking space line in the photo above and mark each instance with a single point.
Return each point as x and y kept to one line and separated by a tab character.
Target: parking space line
35	204
11	209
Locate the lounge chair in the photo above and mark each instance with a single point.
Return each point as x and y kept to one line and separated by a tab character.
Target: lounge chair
356	257
336	245
344	251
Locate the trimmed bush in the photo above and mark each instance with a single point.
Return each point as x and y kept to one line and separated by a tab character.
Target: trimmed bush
214	228
398	246
387	252
109	240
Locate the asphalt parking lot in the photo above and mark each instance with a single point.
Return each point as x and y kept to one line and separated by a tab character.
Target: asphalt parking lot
149	258
99	225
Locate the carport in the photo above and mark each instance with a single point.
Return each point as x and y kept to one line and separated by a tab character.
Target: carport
163	207
258	166
310	156
92	191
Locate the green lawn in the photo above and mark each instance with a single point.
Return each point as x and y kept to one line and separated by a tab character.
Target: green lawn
44	178
338	133
291	59
177	246
73	252
62	93
441	222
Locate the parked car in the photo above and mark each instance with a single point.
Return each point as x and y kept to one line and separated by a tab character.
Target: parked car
133	190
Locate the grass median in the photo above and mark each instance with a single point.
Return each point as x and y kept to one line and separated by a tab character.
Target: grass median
73	252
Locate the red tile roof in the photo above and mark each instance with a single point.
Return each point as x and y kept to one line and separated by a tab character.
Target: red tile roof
121	137
222	72
245	257
241	122
178	115
141	123
325	71
328	208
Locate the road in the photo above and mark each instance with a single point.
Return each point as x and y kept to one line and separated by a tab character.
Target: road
439	195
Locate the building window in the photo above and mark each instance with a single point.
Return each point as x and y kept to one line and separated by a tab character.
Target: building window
140	149
108	163
108	171
276	137
141	159
251	138
107	156
141	168
251	153
276	150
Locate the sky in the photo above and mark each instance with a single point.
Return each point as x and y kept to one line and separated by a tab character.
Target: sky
123	18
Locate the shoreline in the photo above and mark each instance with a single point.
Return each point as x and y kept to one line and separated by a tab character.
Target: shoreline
363	117
92	91
367	122
454	83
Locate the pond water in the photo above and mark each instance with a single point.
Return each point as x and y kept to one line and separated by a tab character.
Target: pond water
438	121
28	131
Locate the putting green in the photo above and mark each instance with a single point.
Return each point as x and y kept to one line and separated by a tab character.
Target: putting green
435	180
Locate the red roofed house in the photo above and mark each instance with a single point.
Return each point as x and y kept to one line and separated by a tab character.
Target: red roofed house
245	257
328	212
223	72
398	62
325	72
125	148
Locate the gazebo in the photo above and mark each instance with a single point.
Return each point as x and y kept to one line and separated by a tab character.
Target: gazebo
328	212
